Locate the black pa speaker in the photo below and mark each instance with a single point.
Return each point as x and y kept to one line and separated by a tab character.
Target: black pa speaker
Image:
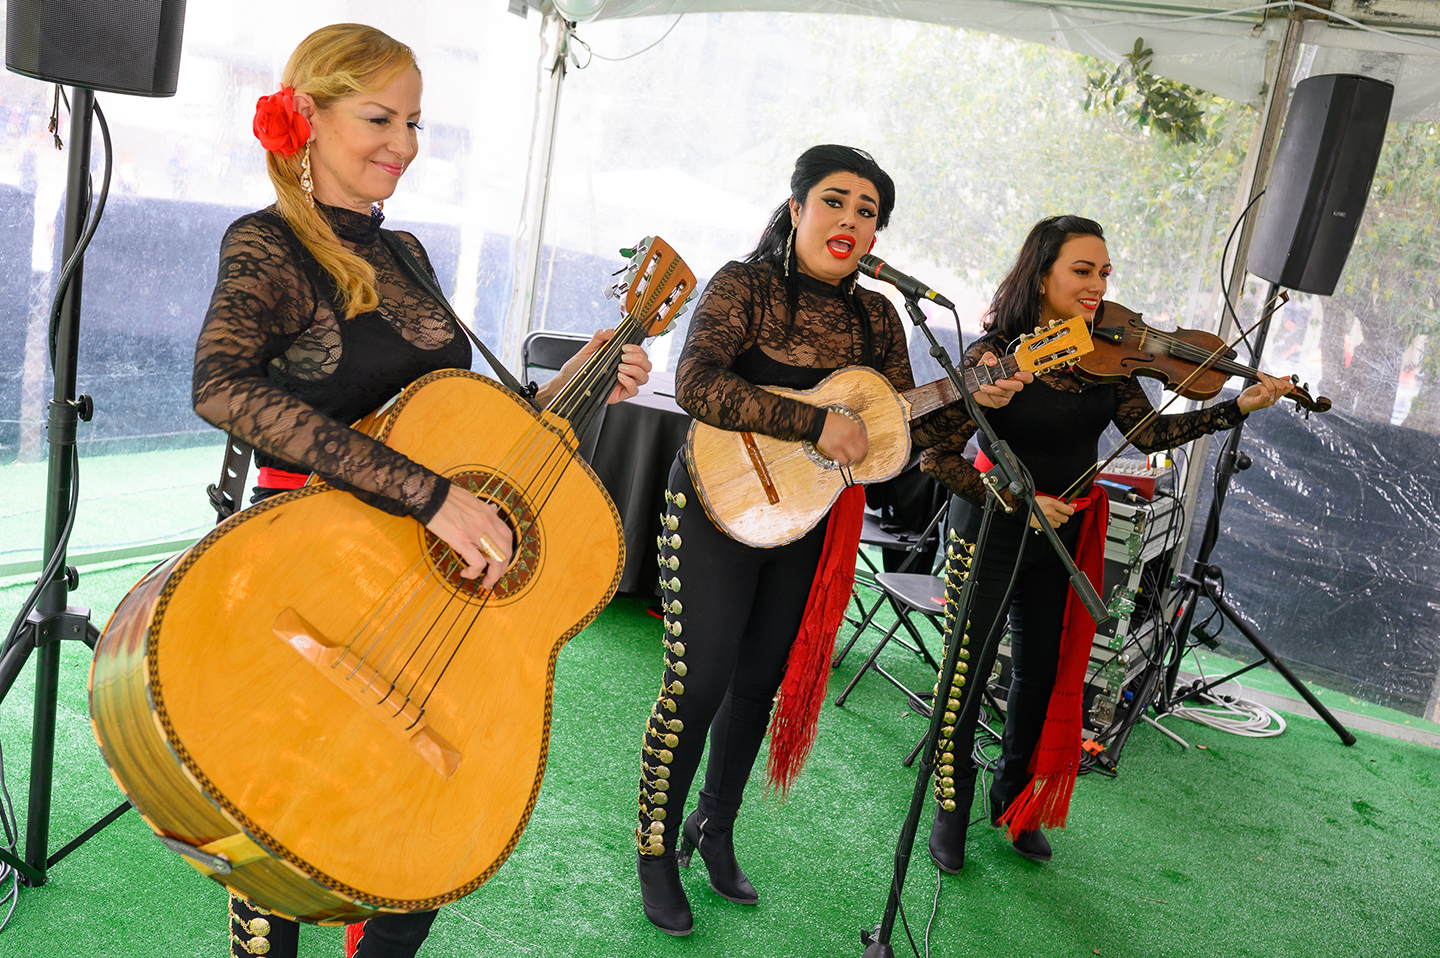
1321	177
118	46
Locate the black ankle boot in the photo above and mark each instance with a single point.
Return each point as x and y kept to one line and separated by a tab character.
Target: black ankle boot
947	832
1032	844
947	839
717	849
662	895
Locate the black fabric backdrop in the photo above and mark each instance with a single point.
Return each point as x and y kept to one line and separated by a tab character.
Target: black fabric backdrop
1330	546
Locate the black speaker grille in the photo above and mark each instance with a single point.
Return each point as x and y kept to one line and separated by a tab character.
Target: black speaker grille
118	46
1320	181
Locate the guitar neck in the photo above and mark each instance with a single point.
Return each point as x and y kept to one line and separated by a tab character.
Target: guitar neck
941	393
583	397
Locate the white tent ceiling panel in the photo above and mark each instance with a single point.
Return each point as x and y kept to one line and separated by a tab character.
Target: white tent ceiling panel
1222	46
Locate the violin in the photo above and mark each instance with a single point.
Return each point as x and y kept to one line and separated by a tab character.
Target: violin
1125	346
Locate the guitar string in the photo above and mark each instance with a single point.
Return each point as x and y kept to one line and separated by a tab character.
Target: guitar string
558	458
557	462
602	365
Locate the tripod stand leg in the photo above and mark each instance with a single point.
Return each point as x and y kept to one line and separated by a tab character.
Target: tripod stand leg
42	758
1345	734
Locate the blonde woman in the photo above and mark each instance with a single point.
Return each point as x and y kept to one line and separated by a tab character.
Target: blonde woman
319	316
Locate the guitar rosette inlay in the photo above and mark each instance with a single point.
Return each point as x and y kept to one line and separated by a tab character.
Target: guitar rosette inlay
813	452
517	512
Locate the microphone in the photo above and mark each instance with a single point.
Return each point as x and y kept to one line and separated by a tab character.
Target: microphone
877	268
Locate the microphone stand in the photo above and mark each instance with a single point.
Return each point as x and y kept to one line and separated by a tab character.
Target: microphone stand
1007	473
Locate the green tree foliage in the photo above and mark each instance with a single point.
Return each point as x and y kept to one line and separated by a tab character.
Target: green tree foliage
1387	293
1174	109
997	135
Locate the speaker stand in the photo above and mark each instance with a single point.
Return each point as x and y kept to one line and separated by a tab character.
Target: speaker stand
53	619
1204	580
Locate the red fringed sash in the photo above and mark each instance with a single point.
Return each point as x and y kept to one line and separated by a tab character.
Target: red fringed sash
802	691
1056	761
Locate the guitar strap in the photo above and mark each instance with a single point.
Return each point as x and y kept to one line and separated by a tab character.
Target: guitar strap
422	276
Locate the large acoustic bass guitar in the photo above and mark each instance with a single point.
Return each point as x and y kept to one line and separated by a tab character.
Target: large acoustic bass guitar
316	710
766	492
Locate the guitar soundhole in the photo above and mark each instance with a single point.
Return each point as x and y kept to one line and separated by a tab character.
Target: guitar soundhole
516	510
818	457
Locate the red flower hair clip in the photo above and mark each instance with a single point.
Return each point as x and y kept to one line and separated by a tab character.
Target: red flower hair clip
279	127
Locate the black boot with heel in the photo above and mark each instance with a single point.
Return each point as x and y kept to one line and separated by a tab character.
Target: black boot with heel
717	849
1031	844
662	895
947	832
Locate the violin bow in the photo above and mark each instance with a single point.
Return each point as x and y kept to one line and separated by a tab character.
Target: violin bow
1278	300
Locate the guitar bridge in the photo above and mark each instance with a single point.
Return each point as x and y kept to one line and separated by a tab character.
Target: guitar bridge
355	678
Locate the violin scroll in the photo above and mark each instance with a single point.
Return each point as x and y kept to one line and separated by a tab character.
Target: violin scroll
1301	395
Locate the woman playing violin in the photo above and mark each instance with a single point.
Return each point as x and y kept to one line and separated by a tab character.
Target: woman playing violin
1053	426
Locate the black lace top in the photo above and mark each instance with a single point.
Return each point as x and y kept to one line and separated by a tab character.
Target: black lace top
277	366
741	338
1054	425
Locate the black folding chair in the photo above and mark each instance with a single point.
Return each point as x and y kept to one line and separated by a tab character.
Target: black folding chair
906	552
542	353
902	521
907	593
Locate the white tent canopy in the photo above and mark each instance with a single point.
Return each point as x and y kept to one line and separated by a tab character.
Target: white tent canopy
1224	46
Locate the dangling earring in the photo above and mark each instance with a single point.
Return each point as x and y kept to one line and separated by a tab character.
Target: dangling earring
789	249
307	185
377	208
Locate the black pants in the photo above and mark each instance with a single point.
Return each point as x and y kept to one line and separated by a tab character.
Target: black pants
732	614
254	931
386	936
1036	618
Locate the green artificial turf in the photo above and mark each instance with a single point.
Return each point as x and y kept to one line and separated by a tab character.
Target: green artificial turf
1270	847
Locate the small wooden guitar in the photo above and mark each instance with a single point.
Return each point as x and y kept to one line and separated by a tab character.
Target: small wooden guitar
766	492
316	710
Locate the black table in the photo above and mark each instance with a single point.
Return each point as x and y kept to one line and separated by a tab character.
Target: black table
637	445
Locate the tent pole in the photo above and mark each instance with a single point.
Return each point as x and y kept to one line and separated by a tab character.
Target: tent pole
555	33
1258	160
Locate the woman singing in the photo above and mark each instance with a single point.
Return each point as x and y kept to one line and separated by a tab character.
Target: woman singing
317	319
788	315
1053	426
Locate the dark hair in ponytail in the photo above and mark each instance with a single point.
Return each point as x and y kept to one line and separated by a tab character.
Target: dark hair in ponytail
1015	308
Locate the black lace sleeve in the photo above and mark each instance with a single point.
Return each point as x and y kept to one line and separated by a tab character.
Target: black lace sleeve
728	319
264	300
945	457
1168	431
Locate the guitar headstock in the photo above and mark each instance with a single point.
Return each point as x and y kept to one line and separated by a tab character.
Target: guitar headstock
657	286
1060	343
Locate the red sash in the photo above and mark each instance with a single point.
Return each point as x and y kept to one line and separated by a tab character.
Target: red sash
1054	765
268	478
802	691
